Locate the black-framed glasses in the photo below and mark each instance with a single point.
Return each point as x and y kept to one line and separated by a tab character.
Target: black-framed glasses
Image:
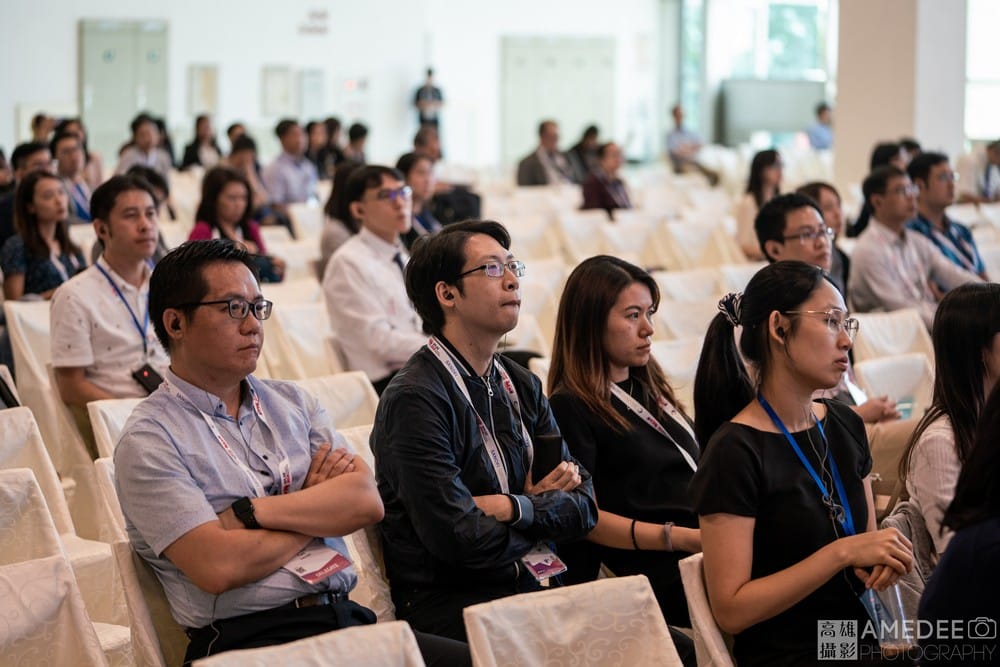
807	236
836	321
403	193
496	269
238	308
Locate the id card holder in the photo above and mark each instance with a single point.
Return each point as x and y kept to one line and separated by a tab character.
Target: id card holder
543	563
316	562
148	378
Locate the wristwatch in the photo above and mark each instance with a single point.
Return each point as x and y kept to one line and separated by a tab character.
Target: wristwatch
243	509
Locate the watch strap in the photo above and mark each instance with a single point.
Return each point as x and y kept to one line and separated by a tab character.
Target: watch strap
243	509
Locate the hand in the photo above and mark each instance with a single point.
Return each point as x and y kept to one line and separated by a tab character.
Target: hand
327	463
877	409
228	519
564	477
887	547
880	577
278	265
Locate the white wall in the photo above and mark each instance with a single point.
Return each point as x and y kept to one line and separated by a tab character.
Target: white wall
386	44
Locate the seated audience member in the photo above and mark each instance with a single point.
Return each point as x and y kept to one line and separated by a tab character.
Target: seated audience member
6	174
224	212
339	225
932	174
243	158
161	195
546	165
820	133
427	141
102	344
202	151
42	125
234	132
41	256
828	200
227	528
621	421
372	319
291	177
316	143
453	439
964	589
583	155
775	567
603	187
69	167
763	184
966	338
418	171
980	175
683	146
883	155
891	266
331	155
93	168
25	159
912	147
357	135
145	148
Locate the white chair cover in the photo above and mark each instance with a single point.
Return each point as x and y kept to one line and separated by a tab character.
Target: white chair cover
540	367
532	236
887	334
700	244
107	418
541	288
358	437
581	234
684	319
380	645
527	335
679	360
689	284
293	292
736	276
157	639
112	520
92	563
44	621
9	381
903	377
990	252
300	257
605	622
349	397
711	646
295	345
26	528
307	221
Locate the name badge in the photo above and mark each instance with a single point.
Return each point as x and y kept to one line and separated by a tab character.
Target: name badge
316	562
543	563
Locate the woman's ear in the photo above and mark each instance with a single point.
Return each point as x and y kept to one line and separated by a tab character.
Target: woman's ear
778	326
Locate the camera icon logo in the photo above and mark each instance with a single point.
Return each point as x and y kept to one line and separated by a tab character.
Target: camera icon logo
982	628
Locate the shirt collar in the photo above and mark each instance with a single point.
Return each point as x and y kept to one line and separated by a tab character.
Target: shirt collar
887	233
121	282
205	401
380	246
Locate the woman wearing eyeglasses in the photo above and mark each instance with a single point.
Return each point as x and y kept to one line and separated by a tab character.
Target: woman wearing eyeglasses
782	491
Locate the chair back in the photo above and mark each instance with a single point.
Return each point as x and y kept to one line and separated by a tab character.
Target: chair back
348	397
711	645
886	334
107	418
26	528
907	378
113	521
679	360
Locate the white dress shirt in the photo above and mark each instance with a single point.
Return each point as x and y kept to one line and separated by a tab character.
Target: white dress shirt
372	318
891	270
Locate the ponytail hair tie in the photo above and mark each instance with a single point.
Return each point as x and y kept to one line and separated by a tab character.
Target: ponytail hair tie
731	306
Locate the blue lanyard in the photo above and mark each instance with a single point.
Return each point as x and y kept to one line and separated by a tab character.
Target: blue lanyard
846	521
135	320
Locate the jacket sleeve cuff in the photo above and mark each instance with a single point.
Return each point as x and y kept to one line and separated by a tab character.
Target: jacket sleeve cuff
524	512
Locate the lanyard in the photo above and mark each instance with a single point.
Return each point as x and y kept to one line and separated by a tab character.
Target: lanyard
284	465
648	417
141	328
489	440
846	521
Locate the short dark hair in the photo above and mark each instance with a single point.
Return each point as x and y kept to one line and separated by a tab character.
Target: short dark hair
151	176
179	277
357	131
369	176
332	125
408	161
822	107
773	216
882	154
441	256
920	166
590	132
102	201
60	135
232	128
878	180
541	126
141	119
911	145
244	142
423	136
603	149
38	119
284	126
23	151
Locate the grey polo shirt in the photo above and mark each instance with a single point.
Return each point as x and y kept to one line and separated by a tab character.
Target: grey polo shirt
173	476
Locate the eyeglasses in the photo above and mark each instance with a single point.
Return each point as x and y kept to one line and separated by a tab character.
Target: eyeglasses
403	193
947	177
905	190
239	308
836	321
808	236
496	269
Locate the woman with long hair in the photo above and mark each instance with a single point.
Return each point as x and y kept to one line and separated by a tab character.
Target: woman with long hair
763	184
783	492
965	585
966	336
41	256
203	150
621	420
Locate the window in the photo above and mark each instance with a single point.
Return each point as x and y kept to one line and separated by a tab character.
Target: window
982	72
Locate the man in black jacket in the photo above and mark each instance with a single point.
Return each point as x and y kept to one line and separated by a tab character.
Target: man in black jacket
453	442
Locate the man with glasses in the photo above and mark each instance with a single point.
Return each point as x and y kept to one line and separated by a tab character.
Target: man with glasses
454	439
893	267
373	322
932	173
103	345
791	227
239	491
70	161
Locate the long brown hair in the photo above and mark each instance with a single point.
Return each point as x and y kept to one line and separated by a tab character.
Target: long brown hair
580	364
212	185
26	222
965	323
